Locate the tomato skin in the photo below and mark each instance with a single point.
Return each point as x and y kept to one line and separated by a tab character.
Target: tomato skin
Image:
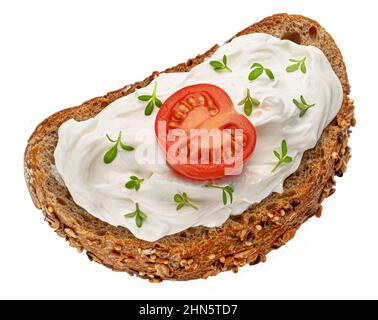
202	107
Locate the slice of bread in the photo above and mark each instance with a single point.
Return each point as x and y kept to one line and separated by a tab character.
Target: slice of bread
198	252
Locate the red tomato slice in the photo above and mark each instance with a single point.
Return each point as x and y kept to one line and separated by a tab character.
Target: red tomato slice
201	133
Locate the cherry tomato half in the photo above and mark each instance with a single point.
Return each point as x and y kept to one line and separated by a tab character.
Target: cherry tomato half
201	133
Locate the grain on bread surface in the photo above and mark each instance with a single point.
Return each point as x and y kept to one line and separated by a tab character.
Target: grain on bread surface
198	252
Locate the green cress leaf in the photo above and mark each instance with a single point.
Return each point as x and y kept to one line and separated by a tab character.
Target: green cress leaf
219	65
138	221
183	200
255	102
131	184
111	154
225	60
303	106
293	67
284	147
298	64
153	101
134	183
242	102
302	113
230	192
224	197
298	104
248	103
126	147
257	65
140	216
131	215
145	98
248	107
269	73
303	68
282	158
255	73
149	108
288	159
225	190
178	198
158	102
143	215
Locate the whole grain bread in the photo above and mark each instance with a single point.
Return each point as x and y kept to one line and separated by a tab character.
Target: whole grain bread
198	252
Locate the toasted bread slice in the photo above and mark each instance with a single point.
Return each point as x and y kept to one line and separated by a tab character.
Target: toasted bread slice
198	252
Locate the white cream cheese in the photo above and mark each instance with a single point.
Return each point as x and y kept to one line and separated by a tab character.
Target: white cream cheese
100	188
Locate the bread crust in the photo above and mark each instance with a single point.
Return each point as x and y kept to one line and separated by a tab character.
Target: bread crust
198	252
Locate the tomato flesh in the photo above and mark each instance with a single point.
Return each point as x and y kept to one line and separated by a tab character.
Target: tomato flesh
208	110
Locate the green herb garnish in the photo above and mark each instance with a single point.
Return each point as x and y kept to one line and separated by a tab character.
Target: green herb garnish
257	71
249	103
111	154
297	64
226	190
220	65
182	200
134	183
140	216
153	101
283	157
303	106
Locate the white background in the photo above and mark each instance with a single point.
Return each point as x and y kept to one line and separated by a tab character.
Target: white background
58	54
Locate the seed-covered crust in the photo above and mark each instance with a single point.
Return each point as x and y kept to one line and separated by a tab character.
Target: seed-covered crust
198	252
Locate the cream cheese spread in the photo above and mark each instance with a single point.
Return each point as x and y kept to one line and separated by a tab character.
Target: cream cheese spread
100	188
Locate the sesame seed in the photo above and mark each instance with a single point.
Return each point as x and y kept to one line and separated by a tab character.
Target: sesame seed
211	257
258	227
50	209
335	155
183	263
